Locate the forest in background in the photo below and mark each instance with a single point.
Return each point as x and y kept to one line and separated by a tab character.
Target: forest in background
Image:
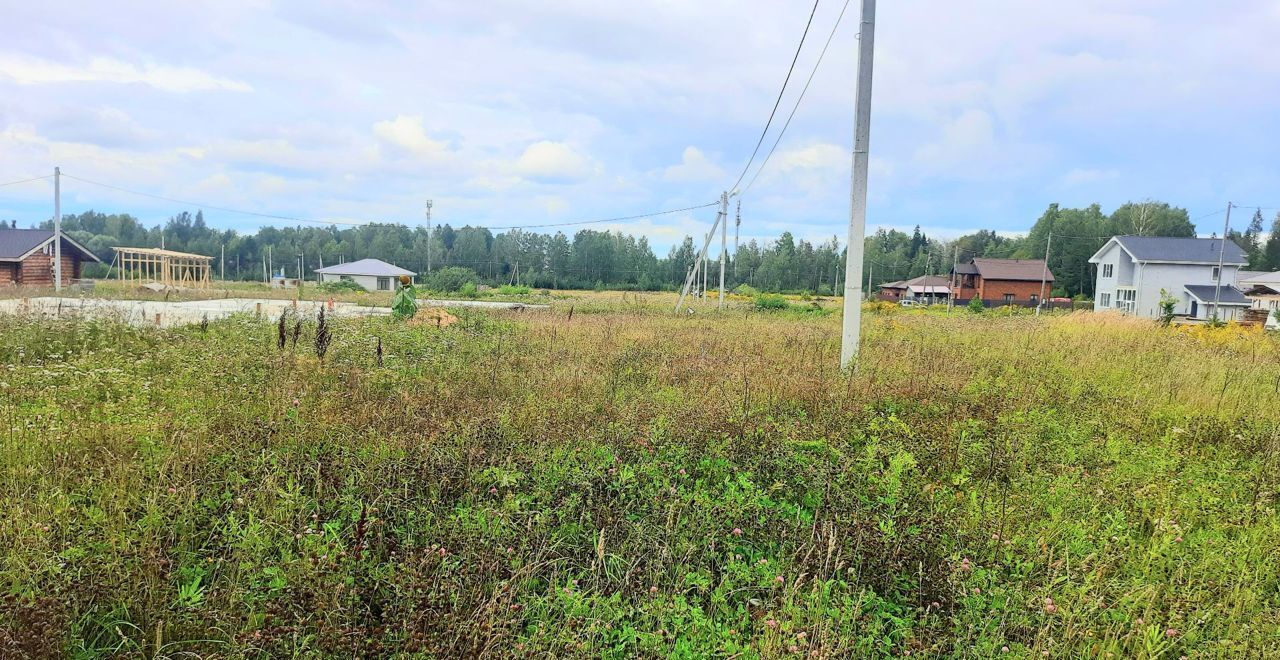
615	260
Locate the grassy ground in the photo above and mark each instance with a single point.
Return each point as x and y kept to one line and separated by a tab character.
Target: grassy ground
626	483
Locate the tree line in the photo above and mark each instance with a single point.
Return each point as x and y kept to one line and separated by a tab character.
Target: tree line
610	259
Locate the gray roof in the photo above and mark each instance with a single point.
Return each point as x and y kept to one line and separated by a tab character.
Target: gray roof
17	244
1013	269
966	269
373	267
1184	250
1229	295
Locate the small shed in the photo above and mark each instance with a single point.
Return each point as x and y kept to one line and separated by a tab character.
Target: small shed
176	269
372	274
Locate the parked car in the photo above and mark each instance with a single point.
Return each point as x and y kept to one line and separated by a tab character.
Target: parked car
908	303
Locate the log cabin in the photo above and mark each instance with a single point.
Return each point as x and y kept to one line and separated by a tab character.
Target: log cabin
26	257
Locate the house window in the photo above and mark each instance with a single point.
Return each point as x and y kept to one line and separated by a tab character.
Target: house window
1126	299
1108	270
1008	298
384	283
1035	300
1104	300
1214	274
344	278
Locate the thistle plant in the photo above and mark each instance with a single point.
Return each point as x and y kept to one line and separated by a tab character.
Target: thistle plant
323	335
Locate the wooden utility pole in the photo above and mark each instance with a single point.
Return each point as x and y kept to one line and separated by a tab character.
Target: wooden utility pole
1222	251
1044	276
955	263
737	227
851	335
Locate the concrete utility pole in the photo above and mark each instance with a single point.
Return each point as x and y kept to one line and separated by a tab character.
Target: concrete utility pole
1222	251
737	226
706	264
57	229
1044	276
222	263
724	242
852	331
429	237
870	271
692	279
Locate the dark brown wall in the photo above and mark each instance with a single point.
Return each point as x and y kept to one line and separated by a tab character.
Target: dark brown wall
8	274
37	269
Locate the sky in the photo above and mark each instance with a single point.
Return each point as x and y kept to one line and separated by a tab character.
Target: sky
511	112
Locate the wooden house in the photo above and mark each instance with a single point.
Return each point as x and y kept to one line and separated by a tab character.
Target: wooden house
26	257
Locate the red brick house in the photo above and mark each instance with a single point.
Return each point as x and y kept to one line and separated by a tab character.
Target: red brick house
1000	282
26	257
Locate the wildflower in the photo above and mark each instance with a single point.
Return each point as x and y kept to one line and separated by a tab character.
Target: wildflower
964	565
801	635
976	591
1044	654
1004	649
737	531
172	490
780	579
682	472
770	623
1140	621
793	648
762	562
653	589
297	536
493	490
995	537
1050	606
1172	632
510	549
1178	540
442	551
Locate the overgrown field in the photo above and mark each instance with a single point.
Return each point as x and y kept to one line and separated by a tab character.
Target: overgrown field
625	483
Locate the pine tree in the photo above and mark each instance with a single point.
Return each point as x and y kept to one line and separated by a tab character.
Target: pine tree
1252	240
1271	253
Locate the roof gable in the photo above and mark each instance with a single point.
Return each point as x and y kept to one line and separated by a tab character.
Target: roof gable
368	267
1012	269
1168	249
18	244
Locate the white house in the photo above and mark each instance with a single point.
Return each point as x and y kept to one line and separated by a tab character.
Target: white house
1132	271
372	274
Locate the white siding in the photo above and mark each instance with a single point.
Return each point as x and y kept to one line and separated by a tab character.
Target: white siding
369	282
1121	275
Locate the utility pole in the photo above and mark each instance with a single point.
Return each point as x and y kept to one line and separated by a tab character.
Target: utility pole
870	269
706	263
1044	276
955	263
222	263
429	202
852	331
724	242
1222	250
57	229
737	226
271	266
692	278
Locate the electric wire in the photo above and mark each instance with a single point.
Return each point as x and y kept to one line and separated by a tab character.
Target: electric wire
210	206
603	220
800	98
733	189
38	178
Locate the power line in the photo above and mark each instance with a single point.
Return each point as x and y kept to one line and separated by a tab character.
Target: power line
798	99
38	178
209	206
602	220
778	102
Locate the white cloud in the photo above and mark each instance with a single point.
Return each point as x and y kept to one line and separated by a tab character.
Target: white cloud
34	71
554	162
694	167
407	133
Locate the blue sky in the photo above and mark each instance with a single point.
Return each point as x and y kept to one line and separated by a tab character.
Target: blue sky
511	112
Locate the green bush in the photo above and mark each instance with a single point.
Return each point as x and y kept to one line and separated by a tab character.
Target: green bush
469	290
975	305
452	278
746	290
771	302
509	290
340	286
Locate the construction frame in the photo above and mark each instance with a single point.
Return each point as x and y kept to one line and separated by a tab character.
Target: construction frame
175	269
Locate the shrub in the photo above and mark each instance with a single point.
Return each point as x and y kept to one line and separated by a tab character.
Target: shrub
975	305
746	290
452	278
509	290
771	301
341	286
469	290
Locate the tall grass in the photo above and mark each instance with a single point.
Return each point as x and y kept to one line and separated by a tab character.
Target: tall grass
627	483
